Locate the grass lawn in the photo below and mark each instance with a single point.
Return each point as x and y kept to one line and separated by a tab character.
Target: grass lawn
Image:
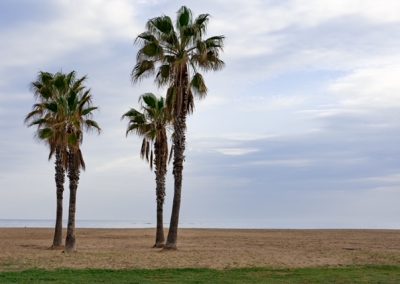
361	274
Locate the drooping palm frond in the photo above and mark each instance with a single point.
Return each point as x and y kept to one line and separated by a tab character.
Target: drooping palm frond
142	69
198	85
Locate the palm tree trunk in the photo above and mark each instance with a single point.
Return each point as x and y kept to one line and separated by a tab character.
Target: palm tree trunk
160	239
160	171
179	149
73	175
59	178
179	140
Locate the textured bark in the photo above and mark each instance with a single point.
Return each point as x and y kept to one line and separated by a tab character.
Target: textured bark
59	178
160	171
179	140
73	175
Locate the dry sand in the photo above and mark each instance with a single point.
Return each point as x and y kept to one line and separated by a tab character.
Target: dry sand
131	248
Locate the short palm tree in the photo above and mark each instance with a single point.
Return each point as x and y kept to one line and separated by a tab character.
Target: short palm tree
46	116
151	124
176	54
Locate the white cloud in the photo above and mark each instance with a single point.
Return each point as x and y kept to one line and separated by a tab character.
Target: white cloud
236	151
385	179
316	11
80	24
257	27
297	163
369	87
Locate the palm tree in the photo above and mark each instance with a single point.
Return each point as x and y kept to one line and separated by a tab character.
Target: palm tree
78	110
45	115
151	124
176	54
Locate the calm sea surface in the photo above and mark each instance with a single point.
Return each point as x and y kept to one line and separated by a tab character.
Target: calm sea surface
48	223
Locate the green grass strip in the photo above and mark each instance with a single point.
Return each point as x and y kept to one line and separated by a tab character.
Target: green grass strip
361	274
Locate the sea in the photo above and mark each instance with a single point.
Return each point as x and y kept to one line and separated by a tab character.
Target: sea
49	223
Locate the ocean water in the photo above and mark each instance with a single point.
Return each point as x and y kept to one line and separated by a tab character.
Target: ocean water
49	223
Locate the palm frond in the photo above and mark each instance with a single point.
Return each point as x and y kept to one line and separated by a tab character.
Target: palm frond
184	18
160	25
163	75
45	133
190	102
38	122
141	69
198	85
91	124
149	99
88	110
145	37
150	50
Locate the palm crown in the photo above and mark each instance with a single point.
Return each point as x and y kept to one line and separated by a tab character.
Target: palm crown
177	54
63	110
151	124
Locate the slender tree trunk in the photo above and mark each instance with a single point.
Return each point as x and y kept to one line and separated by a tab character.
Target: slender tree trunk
160	171
73	175
179	140
160	239
59	178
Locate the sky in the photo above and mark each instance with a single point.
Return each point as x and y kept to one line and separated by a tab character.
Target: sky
301	129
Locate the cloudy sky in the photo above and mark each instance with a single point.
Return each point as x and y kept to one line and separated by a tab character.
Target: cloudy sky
300	130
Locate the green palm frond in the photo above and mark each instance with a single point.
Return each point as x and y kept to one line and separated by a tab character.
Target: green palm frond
151	50
131	113
91	124
201	22
184	18
198	85
51	106
160	25
88	110
215	42
146	37
149	99
142	68
45	133
163	75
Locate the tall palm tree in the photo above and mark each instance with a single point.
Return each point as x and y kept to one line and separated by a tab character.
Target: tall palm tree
45	115
151	124
78	109
176	54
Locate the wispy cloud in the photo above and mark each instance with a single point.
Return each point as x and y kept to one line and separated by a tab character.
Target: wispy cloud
236	151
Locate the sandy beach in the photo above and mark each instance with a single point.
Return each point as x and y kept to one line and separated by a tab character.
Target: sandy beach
212	248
